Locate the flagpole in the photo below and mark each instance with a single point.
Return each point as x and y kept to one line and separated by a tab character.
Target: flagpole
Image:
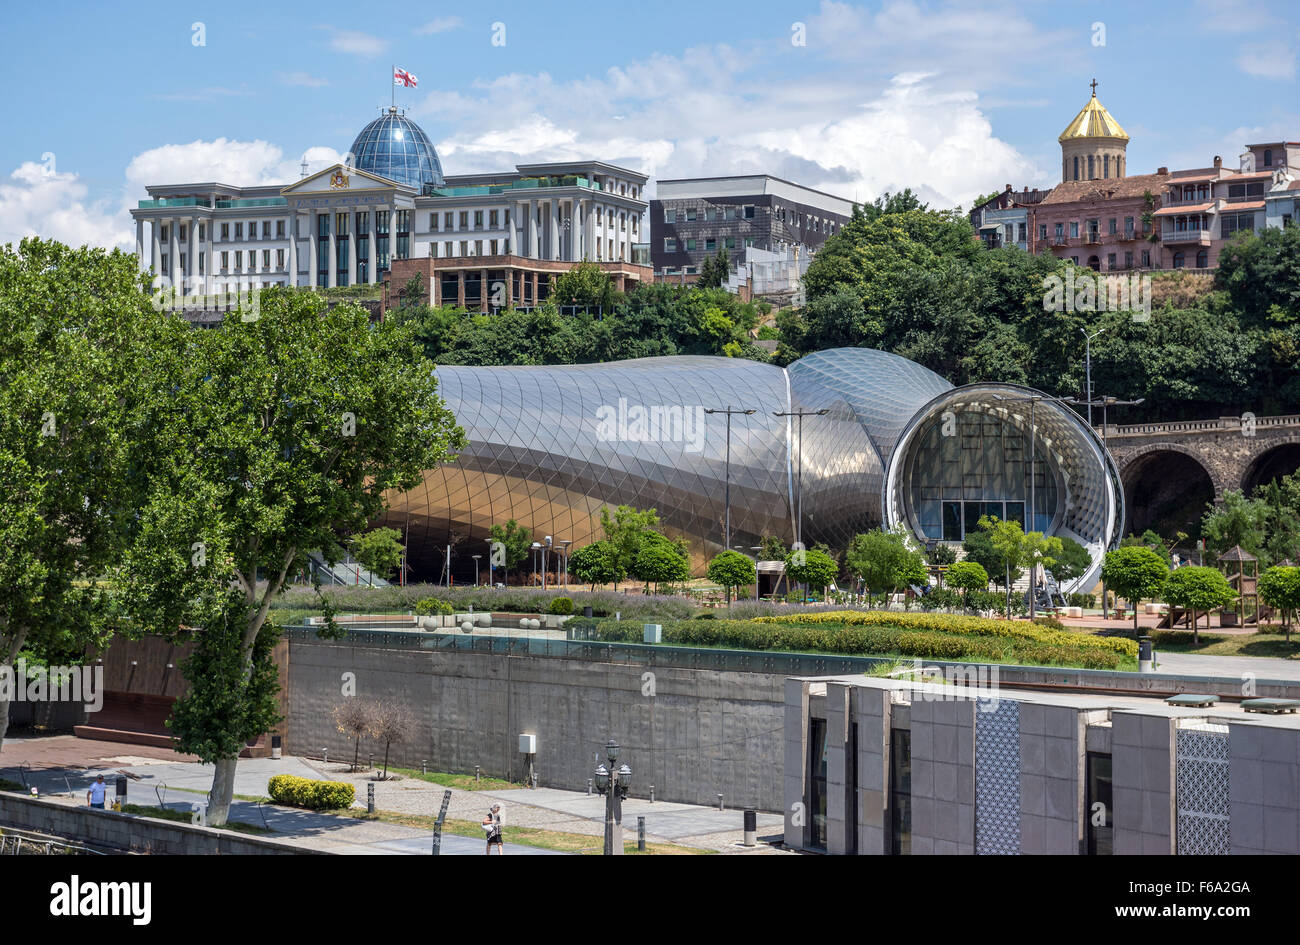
392	84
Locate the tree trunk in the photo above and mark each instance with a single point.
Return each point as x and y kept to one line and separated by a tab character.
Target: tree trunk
385	777
223	791
356	753
15	645
1196	633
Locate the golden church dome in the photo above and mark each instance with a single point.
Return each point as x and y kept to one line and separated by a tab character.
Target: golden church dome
1093	121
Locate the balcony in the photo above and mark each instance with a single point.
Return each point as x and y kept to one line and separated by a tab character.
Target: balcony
1060	239
1198	237
166	202
239	204
1092	238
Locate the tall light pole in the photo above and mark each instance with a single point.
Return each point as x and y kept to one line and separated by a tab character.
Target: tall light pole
536	547
545	548
476	557
1087	361
726	543
613	784
564	559
798	491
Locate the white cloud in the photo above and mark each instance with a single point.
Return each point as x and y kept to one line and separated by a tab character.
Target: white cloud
441	25
357	43
37	201
303	79
1268	60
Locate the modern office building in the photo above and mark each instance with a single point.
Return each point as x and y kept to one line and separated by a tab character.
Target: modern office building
551	446
962	765
694	218
350	223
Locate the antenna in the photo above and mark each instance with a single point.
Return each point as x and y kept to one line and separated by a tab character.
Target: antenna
304	165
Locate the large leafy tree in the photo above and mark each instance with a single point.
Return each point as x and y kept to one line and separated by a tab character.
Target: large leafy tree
1236	521
812	568
1071	560
626	529
1279	588
585	284
272	435
514	542
1134	572
660	560
967	576
380	550
1196	589
74	326
884	561
596	563
731	569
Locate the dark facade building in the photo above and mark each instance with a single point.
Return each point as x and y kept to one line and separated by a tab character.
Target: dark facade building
694	218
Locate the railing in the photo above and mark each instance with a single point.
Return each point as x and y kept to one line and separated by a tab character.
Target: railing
163	202
15	842
236	204
1200	426
1201	235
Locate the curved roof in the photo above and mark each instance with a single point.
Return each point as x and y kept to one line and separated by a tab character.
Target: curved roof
395	147
1093	121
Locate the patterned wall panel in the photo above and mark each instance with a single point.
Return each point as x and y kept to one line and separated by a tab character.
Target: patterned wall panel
997	777
1201	779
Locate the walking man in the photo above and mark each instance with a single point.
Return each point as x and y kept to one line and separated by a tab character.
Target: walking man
95	796
492	827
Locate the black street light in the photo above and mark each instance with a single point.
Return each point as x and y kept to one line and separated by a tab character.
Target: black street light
726	543
613	783
798	490
1087	355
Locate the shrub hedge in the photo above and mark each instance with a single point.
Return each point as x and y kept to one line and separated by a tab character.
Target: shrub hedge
562	606
976	626
873	637
431	606
313	795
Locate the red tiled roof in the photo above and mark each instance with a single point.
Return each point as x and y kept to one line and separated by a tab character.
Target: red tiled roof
1252	205
1176	210
1113	188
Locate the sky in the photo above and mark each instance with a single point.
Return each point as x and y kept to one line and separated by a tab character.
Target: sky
952	99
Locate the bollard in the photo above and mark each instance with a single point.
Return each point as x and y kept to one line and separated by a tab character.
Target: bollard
370	797
477	774
325	756
589	787
719	802
534	780
652	794
618	615
640	835
370	761
277	746
751	827
424	766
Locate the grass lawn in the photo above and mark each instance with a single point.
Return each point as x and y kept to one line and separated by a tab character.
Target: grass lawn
184	816
1262	643
461	782
530	836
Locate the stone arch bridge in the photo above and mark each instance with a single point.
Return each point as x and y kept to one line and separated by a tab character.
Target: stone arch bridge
1171	471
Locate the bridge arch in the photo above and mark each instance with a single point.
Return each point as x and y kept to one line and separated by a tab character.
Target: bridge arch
1167	487
1280	457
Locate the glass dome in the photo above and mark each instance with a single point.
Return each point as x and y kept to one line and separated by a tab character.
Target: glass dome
395	147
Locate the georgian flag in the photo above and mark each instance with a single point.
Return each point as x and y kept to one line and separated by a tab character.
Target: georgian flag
404	78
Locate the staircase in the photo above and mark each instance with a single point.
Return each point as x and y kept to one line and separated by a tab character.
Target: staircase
348	573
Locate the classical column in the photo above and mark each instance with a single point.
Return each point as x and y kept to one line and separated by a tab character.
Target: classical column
510	288
372	252
173	251
192	257
553	250
155	261
139	242
484	290
460	288
313	264
535	302
588	230
534	250
209	284
333	269
293	248
352	247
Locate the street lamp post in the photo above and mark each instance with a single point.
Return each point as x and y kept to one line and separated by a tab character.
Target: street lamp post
1087	361
726	543
564	560
545	548
613	783
476	557
536	547
798	489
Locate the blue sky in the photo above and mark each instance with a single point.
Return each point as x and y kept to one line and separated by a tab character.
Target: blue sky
952	99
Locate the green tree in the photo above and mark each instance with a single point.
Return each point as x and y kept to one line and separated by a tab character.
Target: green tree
1070	562
1134	572
659	560
979	548
596	563
274	434
812	568
773	549
511	544
731	569
626	530
585	284
75	326
1196	589
1009	544
941	554
412	292
1279	588
1236	521
380	550
884	561
967	576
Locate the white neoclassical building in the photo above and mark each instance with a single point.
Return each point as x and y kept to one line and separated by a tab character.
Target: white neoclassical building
348	224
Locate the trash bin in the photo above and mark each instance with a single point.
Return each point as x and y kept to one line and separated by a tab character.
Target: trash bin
1146	655
276	744
751	827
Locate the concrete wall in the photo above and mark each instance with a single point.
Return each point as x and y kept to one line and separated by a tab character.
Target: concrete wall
1143	783
691	733
108	829
943	777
